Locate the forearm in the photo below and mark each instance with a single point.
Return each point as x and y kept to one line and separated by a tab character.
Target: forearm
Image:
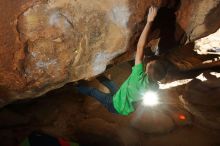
141	43
144	36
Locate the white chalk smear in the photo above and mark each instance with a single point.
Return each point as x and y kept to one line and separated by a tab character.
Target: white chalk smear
54	19
101	60
120	15
45	64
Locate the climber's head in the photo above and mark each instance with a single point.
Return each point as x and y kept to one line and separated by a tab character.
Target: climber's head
156	70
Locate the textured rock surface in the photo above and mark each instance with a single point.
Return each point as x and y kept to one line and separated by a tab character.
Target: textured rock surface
86	121
71	40
64	113
202	99
209	44
45	44
203	54
186	59
198	23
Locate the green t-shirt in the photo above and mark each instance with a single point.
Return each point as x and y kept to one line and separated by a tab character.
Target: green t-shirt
131	90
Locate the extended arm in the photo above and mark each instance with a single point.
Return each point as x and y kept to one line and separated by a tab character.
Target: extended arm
144	35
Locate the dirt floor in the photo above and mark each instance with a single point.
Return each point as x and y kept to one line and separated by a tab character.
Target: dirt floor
66	113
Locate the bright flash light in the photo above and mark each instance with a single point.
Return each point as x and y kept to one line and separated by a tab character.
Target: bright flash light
150	99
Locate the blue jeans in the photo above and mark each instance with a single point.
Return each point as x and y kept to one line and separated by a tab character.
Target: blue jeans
105	99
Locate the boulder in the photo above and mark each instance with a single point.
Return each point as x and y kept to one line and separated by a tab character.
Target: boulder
46	44
201	98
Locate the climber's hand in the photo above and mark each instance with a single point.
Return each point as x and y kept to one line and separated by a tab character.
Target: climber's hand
152	14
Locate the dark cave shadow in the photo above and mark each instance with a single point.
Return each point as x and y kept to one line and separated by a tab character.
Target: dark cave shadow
172	36
175	74
165	21
188	49
92	139
164	27
191	57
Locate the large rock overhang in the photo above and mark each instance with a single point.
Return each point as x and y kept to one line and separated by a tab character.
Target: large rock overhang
46	44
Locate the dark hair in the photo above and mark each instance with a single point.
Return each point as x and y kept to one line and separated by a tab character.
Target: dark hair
159	69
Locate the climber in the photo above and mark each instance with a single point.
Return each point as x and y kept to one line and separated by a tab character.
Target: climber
120	101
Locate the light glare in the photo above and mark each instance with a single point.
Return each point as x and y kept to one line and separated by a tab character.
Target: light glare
150	99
